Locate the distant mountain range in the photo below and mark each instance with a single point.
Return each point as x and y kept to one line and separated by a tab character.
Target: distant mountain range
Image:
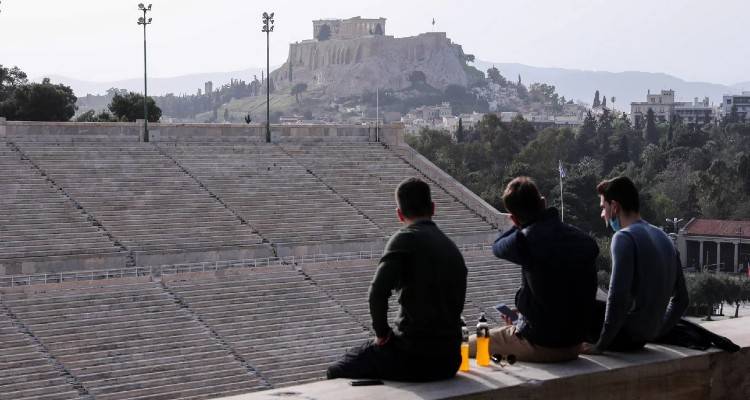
580	85
186	84
626	87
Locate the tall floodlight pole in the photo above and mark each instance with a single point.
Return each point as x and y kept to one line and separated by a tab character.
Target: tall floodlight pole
268	28
144	21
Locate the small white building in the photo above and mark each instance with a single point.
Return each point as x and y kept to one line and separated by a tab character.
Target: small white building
715	244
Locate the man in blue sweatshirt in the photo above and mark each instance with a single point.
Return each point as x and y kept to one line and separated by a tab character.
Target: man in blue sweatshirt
647	293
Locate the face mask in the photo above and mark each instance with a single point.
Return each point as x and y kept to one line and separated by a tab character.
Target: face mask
614	223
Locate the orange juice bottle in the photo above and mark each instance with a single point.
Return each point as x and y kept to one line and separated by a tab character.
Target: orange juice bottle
464	347
483	342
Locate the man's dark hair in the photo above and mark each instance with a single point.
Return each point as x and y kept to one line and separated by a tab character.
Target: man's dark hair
621	189
522	199
413	198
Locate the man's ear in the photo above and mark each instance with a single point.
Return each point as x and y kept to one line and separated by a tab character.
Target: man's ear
400	215
432	210
515	220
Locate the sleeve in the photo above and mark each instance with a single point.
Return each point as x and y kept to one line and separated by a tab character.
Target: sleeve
507	246
620	288
678	303
387	279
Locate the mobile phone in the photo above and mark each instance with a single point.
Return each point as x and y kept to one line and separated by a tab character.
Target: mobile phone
505	310
366	382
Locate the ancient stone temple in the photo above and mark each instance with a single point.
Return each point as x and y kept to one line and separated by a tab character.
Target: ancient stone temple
343	29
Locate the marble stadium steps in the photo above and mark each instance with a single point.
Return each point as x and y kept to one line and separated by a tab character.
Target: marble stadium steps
490	281
280	323
27	373
146	201
368	174
37	220
129	339
275	194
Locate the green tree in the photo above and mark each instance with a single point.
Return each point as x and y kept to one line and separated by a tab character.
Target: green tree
129	107
226	114
493	74
10	78
417	78
39	102
91	116
460	131
297	89
651	132
597	102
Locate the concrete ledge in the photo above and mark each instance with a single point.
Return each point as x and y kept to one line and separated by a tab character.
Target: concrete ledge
65	263
657	372
453	187
182	256
330	247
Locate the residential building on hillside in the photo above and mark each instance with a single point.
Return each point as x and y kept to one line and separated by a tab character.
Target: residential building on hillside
741	101
666	109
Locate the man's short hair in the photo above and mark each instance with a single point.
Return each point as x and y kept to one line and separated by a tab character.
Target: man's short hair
522	199
621	189
413	198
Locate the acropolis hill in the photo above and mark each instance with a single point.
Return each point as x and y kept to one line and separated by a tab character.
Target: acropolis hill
349	57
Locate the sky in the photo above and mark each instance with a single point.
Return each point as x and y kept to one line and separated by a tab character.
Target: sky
99	40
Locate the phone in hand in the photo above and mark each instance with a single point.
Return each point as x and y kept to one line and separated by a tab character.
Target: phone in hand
506	311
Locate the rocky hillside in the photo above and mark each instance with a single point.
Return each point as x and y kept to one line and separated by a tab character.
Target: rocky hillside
351	67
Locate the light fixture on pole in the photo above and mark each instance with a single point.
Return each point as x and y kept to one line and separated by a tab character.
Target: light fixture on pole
267	29
145	21
675	222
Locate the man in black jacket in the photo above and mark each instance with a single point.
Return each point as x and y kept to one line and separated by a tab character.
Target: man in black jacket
559	281
428	270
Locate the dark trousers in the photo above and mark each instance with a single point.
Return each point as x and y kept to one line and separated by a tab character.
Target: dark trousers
622	342
395	361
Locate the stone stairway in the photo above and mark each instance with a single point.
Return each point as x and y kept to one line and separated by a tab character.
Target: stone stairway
286	328
129	339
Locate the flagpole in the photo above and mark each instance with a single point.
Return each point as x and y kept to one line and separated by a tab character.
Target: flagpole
562	201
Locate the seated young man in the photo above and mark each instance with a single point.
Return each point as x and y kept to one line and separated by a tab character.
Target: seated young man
428	270
647	292
558	287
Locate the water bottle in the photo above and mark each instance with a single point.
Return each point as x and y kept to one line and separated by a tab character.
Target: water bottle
464	347
483	342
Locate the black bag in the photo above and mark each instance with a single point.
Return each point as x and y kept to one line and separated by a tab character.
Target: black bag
693	336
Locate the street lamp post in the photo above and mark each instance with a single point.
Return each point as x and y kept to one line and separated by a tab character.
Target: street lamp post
675	222
144	21
268	28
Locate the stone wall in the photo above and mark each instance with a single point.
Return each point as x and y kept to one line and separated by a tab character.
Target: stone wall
657	372
160	132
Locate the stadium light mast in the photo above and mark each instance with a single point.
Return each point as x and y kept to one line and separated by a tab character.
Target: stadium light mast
267	29
145	21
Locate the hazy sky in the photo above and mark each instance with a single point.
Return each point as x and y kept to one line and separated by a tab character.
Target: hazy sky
99	39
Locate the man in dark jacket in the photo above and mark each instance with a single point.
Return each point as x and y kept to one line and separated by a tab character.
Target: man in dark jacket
559	282
429	271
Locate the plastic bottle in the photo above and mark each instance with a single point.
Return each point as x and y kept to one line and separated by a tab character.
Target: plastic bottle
483	342
464	347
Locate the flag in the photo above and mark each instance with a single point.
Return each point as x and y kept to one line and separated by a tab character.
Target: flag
561	169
